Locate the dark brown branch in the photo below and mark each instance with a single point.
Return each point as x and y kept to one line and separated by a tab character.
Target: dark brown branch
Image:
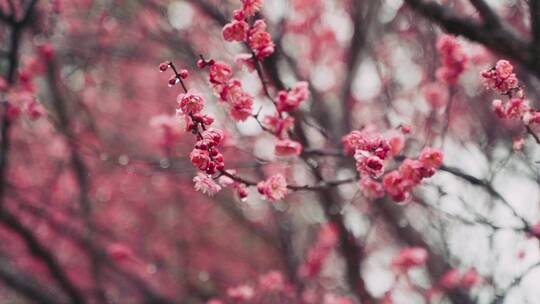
361	27
533	134
321	185
72	234
488	14
500	39
501	297
38	250
27	286
489	188
534	7
77	164
437	264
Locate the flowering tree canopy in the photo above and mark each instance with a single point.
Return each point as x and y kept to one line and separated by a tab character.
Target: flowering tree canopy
252	151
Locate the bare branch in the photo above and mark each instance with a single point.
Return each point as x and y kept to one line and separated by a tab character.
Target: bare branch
500	39
38	250
26	285
534	7
488	14
500	298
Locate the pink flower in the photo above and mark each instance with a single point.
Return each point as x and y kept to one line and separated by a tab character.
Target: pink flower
531	117
500	78
535	230
412	170
274	188
504	68
410	257
250	7
190	102
119	252
235	31
287	147
260	41
46	51
371	188
246	60
454	60
396	140
498	108
164	66
451	279
220	73
470	278
242	191
200	159
396	186
34	110
436	94
279	126
210	138
240	102
272	281
242	107
405	129
289	101
241	293
516	108
431	157
204	119
366	140
369	163
354	141
205	184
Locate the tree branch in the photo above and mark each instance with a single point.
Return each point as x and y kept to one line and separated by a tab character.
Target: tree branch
534	7
38	250
500	39
26	285
488	14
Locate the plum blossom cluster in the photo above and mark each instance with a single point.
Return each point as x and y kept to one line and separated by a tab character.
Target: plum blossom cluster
372	149
454	60
503	80
261	44
21	98
454	63
205	155
281	122
255	35
229	90
399	183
